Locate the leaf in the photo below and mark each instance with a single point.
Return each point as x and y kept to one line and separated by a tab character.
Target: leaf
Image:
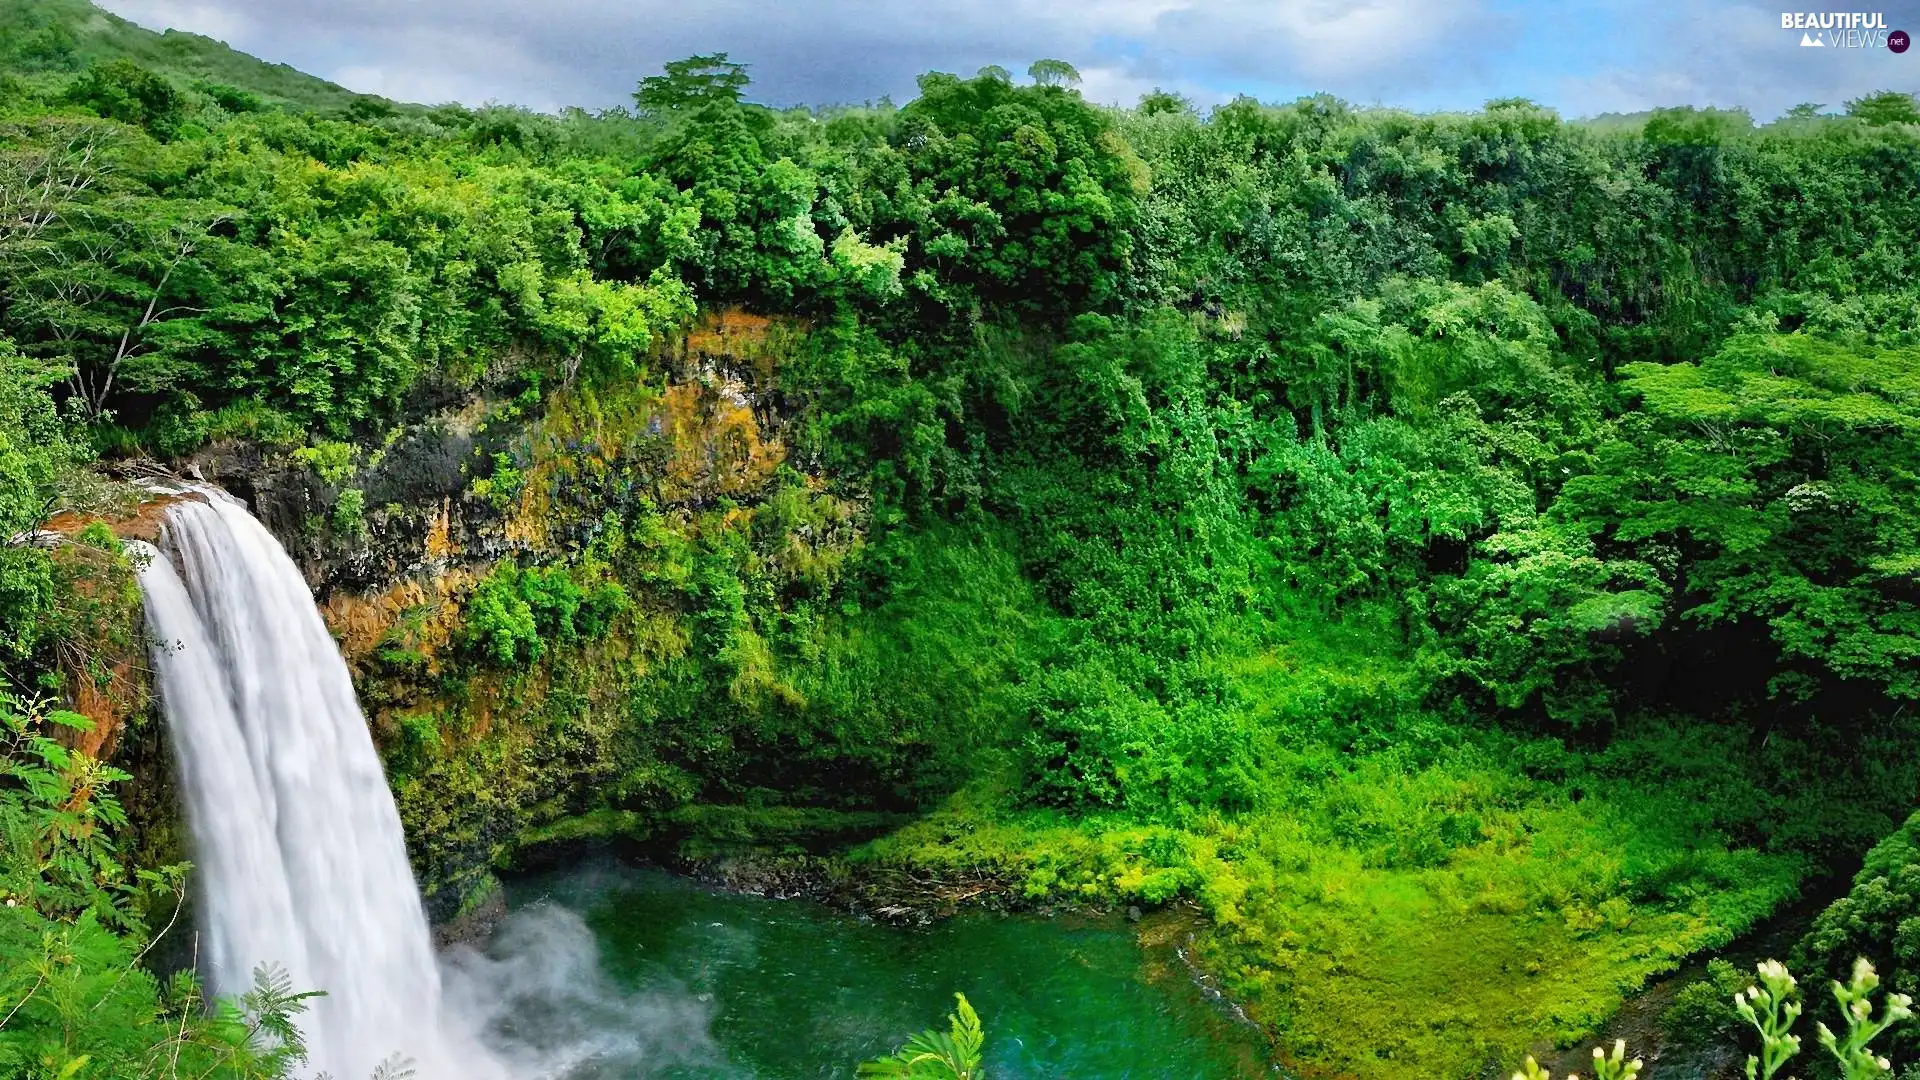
933	1055
72	721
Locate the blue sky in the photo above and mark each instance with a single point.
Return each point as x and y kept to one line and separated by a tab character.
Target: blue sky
1583	57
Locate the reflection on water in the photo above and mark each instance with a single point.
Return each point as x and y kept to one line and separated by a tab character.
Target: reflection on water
691	983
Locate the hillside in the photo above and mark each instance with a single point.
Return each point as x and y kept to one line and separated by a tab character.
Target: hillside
50	38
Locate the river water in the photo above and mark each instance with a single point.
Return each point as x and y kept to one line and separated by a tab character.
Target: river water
694	983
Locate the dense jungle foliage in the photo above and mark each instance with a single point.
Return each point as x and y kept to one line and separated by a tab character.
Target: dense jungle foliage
1475	558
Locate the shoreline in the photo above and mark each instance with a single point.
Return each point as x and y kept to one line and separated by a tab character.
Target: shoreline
897	896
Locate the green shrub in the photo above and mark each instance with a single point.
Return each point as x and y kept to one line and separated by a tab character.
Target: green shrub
1089	734
501	486
1879	918
498	622
123	90
34	454
1703	1011
331	461
513	614
350	513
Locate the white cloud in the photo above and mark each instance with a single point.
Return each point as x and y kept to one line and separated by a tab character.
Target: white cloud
1111	85
460	66
1320	40
1617	90
1730	54
220	21
590	52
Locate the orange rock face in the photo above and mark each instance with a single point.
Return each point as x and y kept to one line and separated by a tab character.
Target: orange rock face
699	439
417	615
142	524
102	650
715	446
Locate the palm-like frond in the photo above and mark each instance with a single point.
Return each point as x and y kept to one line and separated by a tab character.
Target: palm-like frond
954	1054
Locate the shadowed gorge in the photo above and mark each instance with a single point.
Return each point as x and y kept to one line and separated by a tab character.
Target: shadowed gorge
1461	568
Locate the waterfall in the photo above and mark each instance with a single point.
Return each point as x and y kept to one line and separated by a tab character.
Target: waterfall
299	856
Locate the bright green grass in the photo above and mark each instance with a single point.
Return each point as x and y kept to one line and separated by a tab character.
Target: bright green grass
1371	939
1410	896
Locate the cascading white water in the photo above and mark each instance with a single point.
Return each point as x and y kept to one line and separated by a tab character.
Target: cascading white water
300	858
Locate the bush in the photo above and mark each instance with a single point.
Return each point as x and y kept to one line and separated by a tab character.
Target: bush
1879	918
1703	1012
123	90
34	453
331	461
514	613
1088	737
499	624
350	513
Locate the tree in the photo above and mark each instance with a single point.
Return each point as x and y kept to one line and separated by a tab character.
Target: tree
93	267
123	90
104	290
1688	126
34	453
1053	73
48	168
1806	110
1885	107
757	235
1018	192
1157	102
1780	470
693	83
140	349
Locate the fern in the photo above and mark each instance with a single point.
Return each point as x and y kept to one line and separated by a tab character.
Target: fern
394	1068
57	814
953	1054
270	1009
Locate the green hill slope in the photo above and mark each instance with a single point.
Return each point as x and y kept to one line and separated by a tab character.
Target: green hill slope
49	37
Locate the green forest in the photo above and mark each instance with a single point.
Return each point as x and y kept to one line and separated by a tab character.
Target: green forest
1473	559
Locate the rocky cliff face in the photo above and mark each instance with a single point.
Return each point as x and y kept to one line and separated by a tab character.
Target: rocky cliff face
625	487
482	479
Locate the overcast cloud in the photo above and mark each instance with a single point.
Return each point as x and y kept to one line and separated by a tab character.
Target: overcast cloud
1581	57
